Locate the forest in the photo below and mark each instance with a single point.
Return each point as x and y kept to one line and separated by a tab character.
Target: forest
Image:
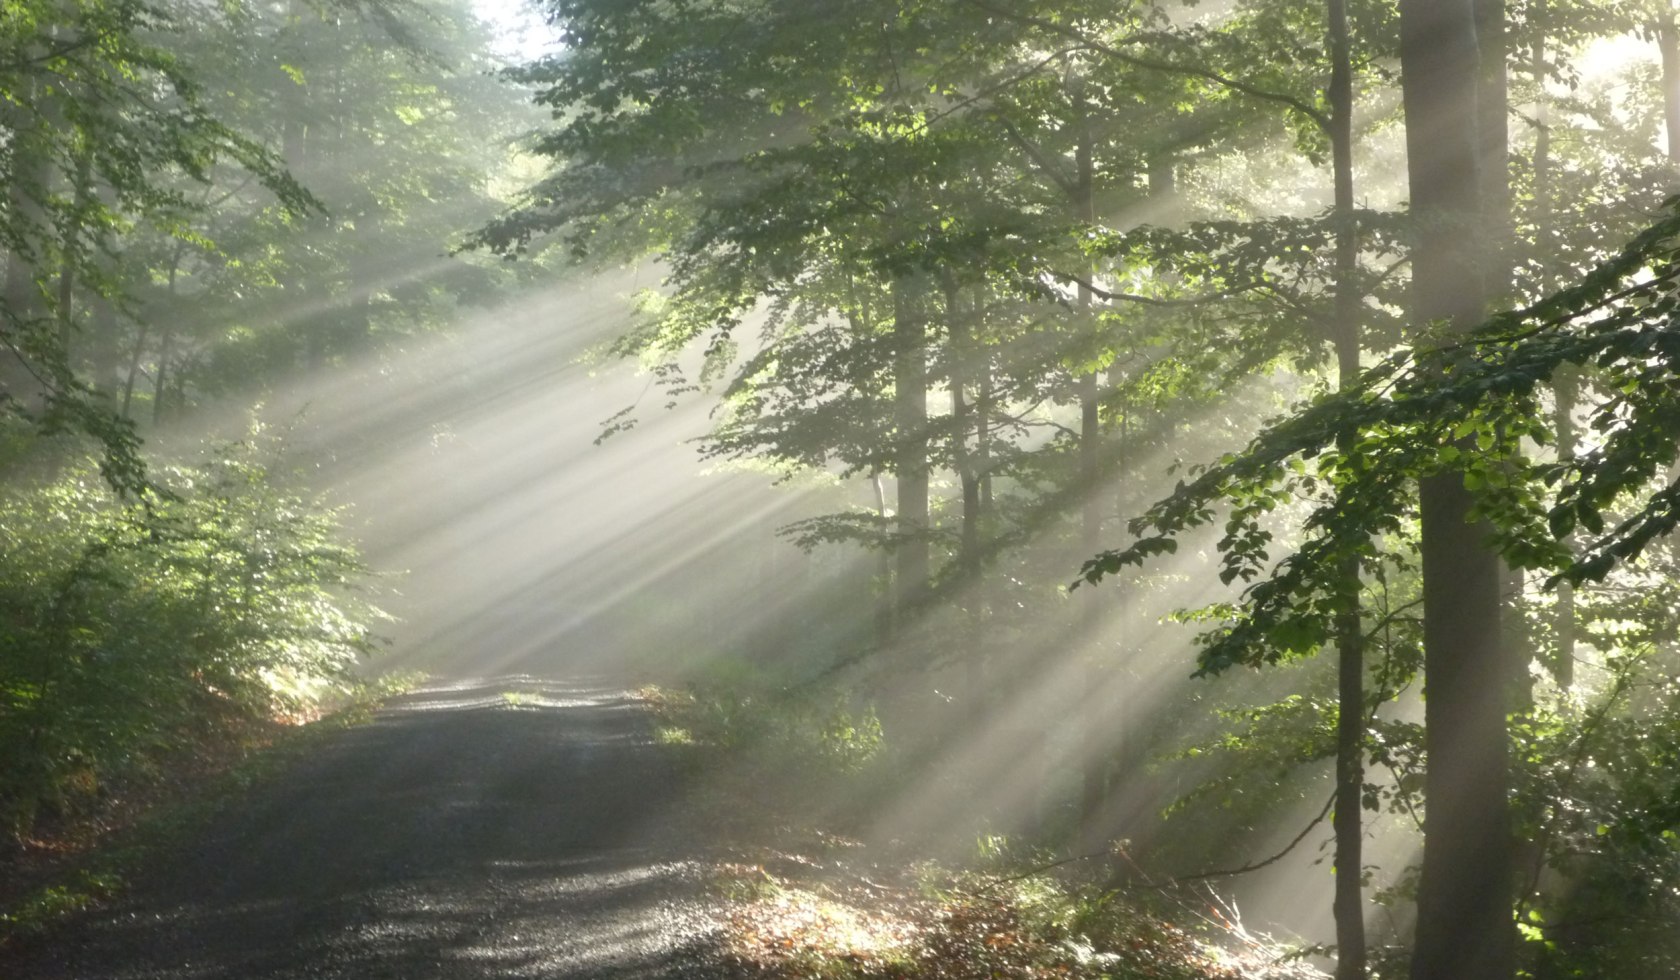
1191	486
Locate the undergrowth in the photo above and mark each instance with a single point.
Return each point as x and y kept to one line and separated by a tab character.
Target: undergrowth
816	905
79	862
839	916
772	755
129	629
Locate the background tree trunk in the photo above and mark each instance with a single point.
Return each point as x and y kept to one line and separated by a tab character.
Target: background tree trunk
1566	385
1464	928
1668	45
1348	904
1095	722
27	185
910	418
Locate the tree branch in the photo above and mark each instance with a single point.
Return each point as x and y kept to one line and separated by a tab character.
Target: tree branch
1038	155
1114	297
1318	117
1275	858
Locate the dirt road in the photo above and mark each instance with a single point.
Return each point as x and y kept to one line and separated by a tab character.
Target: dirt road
495	829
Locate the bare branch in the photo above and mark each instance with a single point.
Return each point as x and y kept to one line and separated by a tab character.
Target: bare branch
1275	858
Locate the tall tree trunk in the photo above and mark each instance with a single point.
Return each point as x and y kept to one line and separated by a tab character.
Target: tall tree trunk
981	460
1565	387
1094	725
140	338
1566	384
984	402
1464	928
22	376
1349	901
1493	126
910	419
1499	233
104	346
965	356
133	372
81	197
160	381
1668	44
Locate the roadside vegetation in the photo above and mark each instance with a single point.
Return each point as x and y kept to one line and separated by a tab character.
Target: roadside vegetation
190	222
137	629
808	898
830	915
76	860
156	653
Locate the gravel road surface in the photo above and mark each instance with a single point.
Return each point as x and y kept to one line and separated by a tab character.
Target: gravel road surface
506	828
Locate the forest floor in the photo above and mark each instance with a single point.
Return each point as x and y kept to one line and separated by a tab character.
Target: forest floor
517	828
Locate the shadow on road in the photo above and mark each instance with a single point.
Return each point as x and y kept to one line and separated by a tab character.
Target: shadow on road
499	828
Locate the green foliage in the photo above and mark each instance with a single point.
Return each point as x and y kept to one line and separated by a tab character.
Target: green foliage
107	127
160	243
1461	410
1599	793
388	115
737	710
132	627
41	909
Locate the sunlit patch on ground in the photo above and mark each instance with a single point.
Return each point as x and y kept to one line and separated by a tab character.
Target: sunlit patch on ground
817	920
509	691
780	928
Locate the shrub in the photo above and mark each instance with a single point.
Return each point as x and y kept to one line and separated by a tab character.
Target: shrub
126	628
807	730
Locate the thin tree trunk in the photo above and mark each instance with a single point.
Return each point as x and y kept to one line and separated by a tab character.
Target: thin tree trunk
1464	927
134	368
910	418
23	376
1499	233
1349	901
1566	384
884	567
1493	127
66	291
141	335
166	349
104	342
1095	723
981	462
964	356
983	436
962	418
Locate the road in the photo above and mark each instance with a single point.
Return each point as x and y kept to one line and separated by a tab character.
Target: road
505	829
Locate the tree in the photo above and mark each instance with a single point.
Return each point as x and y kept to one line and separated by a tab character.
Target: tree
1348	904
101	118
1464	898
261	295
